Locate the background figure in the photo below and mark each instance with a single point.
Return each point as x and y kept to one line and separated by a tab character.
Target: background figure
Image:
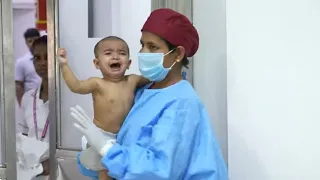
25	76
35	124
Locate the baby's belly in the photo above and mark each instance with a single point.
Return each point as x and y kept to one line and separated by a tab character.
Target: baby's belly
109	113
110	121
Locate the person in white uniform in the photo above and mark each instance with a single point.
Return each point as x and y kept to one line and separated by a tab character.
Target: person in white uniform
25	75
32	150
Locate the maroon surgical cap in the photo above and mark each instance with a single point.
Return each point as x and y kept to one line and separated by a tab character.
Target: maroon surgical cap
173	27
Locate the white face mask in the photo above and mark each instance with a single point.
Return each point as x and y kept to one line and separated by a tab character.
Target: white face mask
151	66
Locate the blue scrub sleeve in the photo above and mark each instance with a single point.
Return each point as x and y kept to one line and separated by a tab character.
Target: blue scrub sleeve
86	172
163	148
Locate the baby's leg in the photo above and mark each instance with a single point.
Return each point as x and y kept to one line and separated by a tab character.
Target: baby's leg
103	175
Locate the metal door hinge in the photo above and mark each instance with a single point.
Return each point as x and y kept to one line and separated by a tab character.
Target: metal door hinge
2	173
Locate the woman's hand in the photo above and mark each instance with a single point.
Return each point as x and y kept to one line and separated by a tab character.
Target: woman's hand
46	168
93	134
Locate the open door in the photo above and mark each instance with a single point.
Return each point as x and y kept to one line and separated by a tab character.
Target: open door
78	30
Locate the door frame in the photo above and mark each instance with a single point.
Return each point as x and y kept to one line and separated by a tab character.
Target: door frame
8	95
52	24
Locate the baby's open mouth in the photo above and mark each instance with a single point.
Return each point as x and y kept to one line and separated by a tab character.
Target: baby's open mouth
115	65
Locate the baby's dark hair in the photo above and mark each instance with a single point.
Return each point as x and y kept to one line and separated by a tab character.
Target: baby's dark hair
40	41
185	60
96	47
31	32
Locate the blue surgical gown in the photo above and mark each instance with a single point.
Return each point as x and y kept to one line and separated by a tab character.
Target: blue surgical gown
166	136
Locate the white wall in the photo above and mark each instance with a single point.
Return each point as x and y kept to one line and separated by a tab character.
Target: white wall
22	20
80	50
273	84
273	89
210	64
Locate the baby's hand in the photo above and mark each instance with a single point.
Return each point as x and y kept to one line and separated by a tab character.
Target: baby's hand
62	56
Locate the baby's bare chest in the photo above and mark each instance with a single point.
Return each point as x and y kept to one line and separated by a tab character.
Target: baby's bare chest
115	94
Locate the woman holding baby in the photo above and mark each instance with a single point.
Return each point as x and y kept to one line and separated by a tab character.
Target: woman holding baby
167	134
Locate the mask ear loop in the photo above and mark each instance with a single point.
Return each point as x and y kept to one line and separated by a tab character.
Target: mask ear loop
174	63
169	52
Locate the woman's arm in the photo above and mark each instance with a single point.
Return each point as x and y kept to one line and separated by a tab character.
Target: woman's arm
163	149
22	121
19	78
46	168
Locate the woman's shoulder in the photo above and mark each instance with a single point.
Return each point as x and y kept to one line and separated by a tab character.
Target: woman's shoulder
184	92
181	92
178	98
183	96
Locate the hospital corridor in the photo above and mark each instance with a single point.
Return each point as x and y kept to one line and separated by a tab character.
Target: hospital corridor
243	77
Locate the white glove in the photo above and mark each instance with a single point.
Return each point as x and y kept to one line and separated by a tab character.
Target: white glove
93	134
84	143
91	159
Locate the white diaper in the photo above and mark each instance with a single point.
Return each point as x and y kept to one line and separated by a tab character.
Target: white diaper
89	157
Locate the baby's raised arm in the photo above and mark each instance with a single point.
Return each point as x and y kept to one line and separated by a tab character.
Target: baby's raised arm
74	84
